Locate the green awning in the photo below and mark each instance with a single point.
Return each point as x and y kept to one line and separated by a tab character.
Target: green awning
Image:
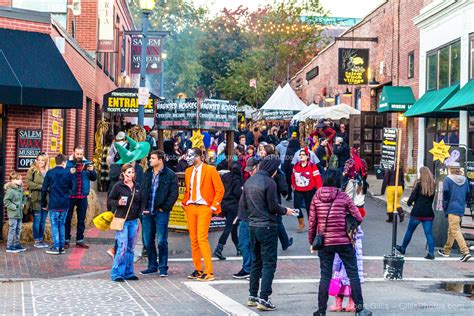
432	101
396	99
462	99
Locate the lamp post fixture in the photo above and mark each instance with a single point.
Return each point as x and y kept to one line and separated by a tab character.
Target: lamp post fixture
146	6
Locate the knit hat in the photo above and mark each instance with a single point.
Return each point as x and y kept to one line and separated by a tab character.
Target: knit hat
294	135
270	164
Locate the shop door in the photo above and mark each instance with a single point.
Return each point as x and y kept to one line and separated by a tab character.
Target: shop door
372	124
2	164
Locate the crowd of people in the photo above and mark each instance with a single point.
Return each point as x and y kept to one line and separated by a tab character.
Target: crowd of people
322	175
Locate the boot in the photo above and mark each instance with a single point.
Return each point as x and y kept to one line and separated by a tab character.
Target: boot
401	214
218	252
350	308
337	307
390	218
300	225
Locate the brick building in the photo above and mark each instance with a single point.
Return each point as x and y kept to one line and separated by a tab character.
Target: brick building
393	42
57	74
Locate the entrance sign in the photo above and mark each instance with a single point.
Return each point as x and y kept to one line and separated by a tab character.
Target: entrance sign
389	148
353	66
125	101
29	145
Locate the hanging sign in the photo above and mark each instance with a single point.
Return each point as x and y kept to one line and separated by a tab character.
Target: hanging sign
440	151
389	148
106	26
125	101
353	66
29	145
153	54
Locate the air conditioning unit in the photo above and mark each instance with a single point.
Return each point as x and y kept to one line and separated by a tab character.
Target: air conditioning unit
75	7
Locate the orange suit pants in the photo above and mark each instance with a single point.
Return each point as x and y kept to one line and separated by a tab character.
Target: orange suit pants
199	219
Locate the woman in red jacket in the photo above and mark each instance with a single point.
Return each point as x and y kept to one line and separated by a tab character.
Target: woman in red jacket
327	216
305	180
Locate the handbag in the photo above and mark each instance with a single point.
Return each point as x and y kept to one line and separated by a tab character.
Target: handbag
335	285
352	227
117	223
318	242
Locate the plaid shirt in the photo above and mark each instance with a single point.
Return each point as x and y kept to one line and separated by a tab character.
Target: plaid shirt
155	181
78	194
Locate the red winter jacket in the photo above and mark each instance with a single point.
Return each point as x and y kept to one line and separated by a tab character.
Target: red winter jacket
306	178
335	233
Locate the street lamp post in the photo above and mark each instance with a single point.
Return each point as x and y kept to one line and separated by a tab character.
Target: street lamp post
147	7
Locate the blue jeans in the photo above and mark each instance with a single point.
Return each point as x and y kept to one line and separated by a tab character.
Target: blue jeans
14	231
156	226
282	234
81	210
39	224
58	220
123	260
244	244
427	228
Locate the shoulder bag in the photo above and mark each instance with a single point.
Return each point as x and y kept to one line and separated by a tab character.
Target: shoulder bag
117	223
318	242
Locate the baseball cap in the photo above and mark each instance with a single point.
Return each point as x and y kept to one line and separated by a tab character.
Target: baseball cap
120	136
251	164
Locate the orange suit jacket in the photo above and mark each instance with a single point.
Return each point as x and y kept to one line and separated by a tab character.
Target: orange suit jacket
212	189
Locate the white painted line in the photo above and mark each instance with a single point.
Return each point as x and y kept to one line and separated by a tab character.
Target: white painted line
143	299
22	300
304	281
131	297
218	299
33	299
309	257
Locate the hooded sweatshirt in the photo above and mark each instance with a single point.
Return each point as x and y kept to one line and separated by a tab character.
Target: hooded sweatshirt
259	198
282	147
455	194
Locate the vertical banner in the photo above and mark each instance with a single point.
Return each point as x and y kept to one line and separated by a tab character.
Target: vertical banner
153	54
353	66
106	26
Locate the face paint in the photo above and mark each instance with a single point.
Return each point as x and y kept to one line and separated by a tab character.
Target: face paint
190	157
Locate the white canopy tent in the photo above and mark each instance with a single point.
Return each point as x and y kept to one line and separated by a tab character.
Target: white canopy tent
284	100
247	109
300	116
335	112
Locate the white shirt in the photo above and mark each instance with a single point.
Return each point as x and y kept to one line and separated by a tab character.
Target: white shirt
199	199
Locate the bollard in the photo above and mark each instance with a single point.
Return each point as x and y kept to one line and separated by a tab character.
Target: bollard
393	267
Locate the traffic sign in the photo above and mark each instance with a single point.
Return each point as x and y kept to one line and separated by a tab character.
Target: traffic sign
389	148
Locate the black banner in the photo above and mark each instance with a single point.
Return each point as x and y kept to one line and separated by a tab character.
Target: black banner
29	145
125	101
353	66
389	148
279	115
213	114
153	54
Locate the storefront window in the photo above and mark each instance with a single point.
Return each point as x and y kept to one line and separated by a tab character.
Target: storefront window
432	72
411	65
443	74
455	72
431	122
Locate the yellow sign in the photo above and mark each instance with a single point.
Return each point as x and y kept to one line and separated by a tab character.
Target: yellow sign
197	139
56	112
440	151
54	143
177	215
55	127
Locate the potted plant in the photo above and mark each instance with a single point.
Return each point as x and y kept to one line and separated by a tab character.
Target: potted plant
410	177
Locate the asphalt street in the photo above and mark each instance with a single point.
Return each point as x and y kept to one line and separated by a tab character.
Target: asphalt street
422	292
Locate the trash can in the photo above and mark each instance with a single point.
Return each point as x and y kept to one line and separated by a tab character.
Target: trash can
393	267
379	172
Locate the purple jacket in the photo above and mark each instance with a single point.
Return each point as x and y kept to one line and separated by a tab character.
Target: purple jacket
335	232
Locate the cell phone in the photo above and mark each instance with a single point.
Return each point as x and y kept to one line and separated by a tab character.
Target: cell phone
296	212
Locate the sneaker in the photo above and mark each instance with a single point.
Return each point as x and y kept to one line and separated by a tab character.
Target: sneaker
430	257
44	245
290	242
163	274
242	274
148	271
66	245
252	301
400	249
81	245
265	305
12	250
206	277
19	247
111	252
465	257
196	274
53	251
62	251
132	278
119	280
442	253
40	244
364	312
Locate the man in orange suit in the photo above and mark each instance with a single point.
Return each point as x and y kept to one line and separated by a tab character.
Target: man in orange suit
202	197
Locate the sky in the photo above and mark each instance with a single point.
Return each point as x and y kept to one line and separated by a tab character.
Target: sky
338	8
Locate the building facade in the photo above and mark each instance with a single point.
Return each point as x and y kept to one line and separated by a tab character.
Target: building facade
392	38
